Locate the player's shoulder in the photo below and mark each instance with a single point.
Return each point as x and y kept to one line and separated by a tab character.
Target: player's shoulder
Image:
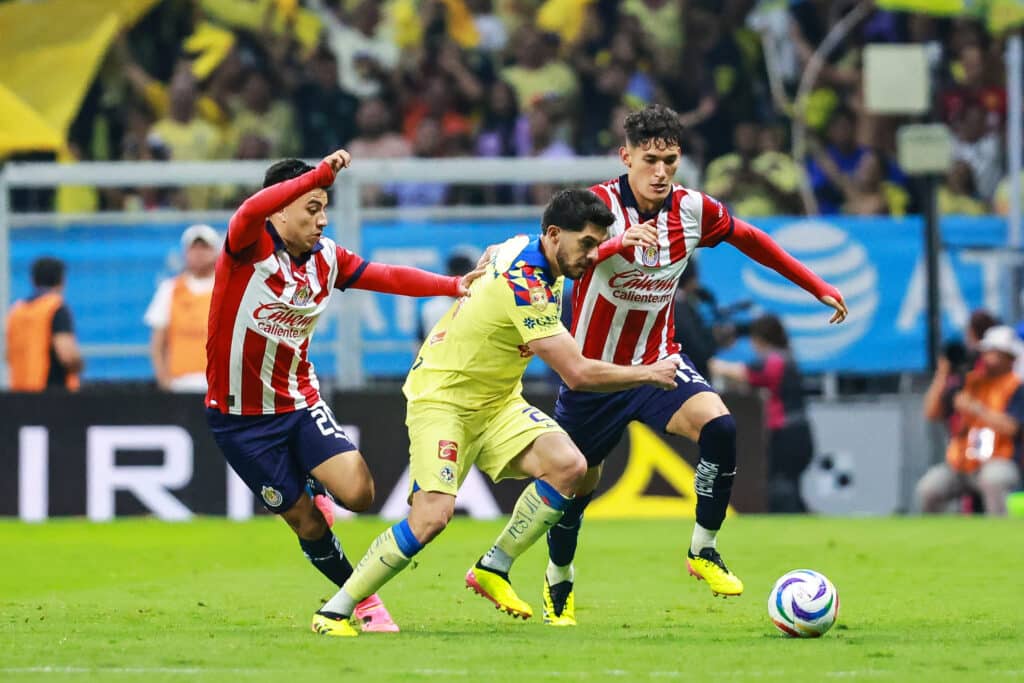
510	252
609	191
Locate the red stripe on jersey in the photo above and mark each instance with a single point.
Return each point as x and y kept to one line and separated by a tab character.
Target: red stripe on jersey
629	336
279	380
306	387
323	271
676	236
579	291
597	331
602	193
651	353
224	305
254	348
672	346
276	282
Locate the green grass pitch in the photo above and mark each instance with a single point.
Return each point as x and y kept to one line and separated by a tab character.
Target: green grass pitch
938	599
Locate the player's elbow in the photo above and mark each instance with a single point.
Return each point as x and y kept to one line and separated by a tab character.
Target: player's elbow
575	378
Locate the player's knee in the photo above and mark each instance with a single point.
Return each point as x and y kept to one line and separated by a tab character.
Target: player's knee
429	520
567	471
307	523
718	440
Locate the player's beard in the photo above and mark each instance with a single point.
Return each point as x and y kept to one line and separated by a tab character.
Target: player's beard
572	270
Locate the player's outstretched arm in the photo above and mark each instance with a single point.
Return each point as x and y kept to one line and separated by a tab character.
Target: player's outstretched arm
579	373
246	224
380	277
759	246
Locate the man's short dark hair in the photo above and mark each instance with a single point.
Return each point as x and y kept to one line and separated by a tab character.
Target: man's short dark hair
653	123
286	169
769	329
47	272
573	209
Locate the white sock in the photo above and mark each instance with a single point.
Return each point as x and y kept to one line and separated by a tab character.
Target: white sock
497	559
556	574
702	538
341	603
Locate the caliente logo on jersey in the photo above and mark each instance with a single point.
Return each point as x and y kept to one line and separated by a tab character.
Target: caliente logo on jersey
840	260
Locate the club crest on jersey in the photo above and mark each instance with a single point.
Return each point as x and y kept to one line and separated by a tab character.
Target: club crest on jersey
271	496
651	256
448	450
302	295
447	475
538	296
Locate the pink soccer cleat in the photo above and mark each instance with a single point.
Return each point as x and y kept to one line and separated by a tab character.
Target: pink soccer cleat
326	507
373	616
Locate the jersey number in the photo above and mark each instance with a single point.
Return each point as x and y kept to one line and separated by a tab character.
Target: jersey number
688	374
326	423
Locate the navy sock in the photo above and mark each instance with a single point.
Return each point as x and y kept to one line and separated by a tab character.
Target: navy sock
715	471
327	556
562	537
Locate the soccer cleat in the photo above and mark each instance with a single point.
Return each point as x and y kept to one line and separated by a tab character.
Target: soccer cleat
495	586
559	604
373	616
327	625
323	501
708	566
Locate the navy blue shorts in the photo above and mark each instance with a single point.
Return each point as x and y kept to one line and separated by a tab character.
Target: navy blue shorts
273	454
596	422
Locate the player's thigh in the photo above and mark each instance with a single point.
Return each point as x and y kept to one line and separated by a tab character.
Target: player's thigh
520	440
687	408
596	422
320	447
441	446
257	449
695	412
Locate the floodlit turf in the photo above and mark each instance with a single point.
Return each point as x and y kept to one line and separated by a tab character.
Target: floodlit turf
922	600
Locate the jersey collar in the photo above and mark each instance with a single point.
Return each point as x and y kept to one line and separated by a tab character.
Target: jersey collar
532	255
629	200
279	245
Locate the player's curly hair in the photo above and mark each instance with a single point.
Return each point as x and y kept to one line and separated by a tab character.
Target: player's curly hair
573	209
654	123
283	170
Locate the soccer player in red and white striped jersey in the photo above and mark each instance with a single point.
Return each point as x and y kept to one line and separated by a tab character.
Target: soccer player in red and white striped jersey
273	281
622	313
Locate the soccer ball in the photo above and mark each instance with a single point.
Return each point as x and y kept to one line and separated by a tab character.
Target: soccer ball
803	604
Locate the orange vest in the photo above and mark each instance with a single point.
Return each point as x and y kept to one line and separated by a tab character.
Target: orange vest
29	340
974	443
186	331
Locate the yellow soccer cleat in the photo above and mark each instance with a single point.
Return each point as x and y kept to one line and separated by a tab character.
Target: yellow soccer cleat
496	587
708	566
331	626
559	604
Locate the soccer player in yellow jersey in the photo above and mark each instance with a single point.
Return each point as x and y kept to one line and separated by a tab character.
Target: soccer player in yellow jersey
466	406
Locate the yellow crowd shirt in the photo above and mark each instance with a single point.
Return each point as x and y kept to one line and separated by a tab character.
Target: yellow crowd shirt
477	353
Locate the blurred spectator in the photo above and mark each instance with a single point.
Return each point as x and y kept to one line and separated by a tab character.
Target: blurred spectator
42	352
662	21
257	111
790	443
544	145
535	74
327	113
951	368
493	32
957	195
980	455
186	136
755	181
460	262
427	145
979	147
867	193
1001	199
178	313
974	86
503	132
698	338
377	140
365	49
436	101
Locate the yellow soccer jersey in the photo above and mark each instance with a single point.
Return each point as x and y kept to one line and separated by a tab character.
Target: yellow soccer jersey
477	353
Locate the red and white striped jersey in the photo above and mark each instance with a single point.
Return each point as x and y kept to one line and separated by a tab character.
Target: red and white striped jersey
623	306
264	310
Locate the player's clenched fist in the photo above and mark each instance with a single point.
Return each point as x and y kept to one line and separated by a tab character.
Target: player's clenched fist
642	235
663	373
338	160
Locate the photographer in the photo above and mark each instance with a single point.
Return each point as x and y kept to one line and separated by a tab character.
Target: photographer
989	412
700	340
951	370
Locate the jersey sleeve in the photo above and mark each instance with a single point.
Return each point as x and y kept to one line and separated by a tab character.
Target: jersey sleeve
62	320
532	308
158	314
716	222
350	268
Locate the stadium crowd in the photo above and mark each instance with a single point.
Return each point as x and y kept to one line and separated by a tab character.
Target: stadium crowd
538	78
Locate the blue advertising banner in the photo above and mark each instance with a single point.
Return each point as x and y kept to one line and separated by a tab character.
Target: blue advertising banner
878	264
